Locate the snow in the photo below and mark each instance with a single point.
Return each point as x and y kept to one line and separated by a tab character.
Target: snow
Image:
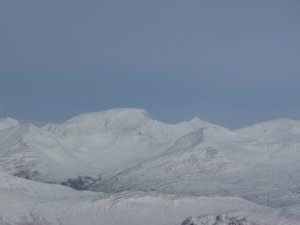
25	201
92	144
167	172
7	123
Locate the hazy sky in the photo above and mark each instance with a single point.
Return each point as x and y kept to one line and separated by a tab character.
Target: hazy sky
229	62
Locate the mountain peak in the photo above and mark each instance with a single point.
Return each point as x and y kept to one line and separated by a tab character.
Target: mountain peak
196	120
8	122
276	123
121	118
283	124
112	114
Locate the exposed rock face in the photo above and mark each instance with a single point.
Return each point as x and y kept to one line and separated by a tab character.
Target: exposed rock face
218	220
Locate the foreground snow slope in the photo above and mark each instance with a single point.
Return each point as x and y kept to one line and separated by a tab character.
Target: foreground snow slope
27	202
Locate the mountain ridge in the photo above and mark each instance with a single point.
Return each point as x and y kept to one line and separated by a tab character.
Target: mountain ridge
121	160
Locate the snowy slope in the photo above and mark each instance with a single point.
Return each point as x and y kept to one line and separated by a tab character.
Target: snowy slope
8	123
29	152
27	202
260	166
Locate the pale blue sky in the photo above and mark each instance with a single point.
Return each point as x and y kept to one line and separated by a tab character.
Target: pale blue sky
229	62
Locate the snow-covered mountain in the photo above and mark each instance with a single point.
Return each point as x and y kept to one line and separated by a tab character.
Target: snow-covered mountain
87	146
126	161
256	163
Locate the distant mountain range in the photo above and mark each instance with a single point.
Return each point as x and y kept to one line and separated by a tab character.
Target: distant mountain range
121	167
